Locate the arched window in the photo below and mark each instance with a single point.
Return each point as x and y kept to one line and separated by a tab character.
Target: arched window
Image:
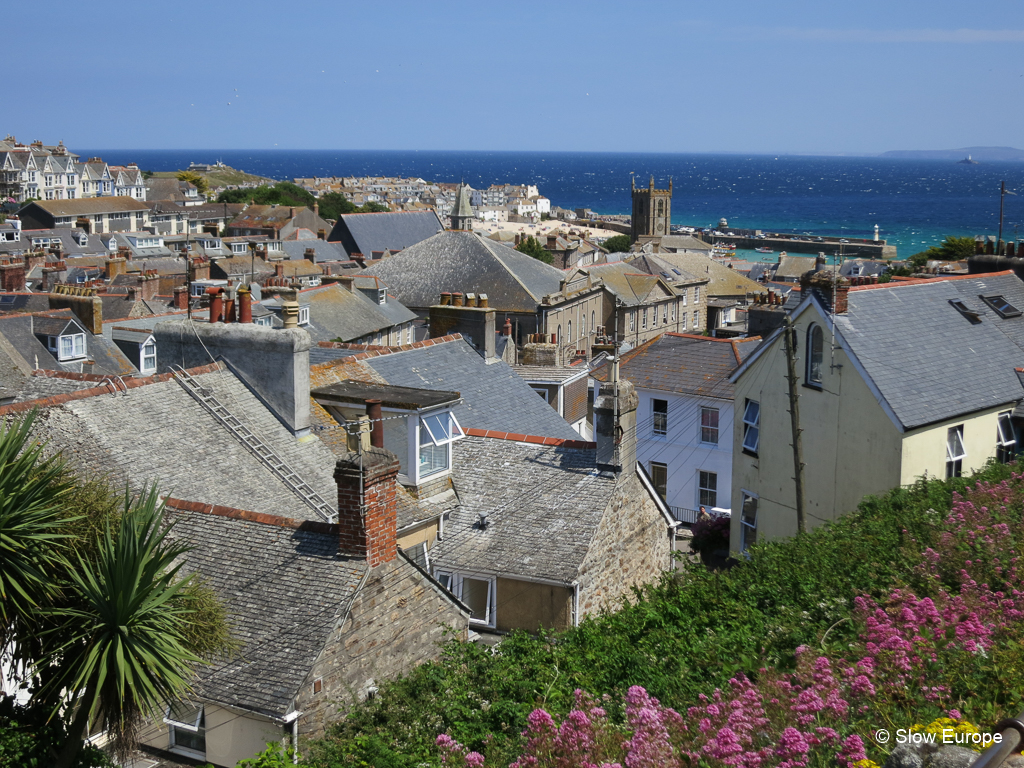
558	335
583	326
815	354
661	207
592	322
568	331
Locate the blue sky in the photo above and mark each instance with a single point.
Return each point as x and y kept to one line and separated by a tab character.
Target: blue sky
731	75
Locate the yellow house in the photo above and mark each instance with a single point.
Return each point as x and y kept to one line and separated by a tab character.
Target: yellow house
895	381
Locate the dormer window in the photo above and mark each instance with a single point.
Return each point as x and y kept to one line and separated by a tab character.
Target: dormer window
382	295
436	434
303	315
1001	306
69	347
148	357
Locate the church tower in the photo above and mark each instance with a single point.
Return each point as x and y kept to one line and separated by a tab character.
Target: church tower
462	211
652	211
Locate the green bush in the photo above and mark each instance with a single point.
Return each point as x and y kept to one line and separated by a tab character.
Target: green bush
680	638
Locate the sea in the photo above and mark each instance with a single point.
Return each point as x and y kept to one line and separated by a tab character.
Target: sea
914	203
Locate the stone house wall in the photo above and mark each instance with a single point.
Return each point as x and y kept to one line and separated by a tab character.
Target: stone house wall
630	548
397	620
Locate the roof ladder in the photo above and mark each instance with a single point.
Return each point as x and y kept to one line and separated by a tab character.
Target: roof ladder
263	452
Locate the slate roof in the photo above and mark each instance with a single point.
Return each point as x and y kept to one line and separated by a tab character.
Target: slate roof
464	261
544	505
336	313
655	265
791	267
391	231
722	281
86	206
136	436
682	242
21	334
284	590
325	251
68	238
553	374
632	286
691	365
493	396
23	302
929	362
318	354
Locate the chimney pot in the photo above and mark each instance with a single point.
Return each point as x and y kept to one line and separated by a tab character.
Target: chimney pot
457	299
481	301
446	298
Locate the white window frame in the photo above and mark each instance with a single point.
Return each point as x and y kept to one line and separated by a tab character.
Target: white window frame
303	315
644	318
955	451
429	426
696	294
751	426
707	409
76	347
453	582
1006	438
145	356
748	522
632	321
703	489
664	313
542	392
197	726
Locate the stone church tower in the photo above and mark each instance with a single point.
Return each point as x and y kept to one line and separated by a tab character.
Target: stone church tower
462	211
652	211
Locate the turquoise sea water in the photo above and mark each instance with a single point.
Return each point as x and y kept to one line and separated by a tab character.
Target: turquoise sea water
914	203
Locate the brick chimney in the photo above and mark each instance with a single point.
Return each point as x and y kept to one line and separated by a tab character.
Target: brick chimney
150	286
367	514
181	297
12	275
825	284
114	266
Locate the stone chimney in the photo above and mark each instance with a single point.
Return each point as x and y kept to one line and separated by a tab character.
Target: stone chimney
181	297
273	362
475	323
615	424
83	303
825	284
114	266
367	513
150	285
539	353
200	268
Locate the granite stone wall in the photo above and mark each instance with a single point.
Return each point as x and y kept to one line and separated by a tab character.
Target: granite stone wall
630	548
397	620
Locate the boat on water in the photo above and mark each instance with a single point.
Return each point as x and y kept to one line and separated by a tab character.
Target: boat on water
764	250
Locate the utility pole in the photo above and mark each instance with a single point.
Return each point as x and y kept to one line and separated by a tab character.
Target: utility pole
789	336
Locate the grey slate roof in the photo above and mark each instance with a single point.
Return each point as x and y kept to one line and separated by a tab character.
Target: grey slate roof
463	261
368	232
23	302
318	354
493	396
544	505
684	364
722	281
137	437
325	251
284	590
21	333
929	362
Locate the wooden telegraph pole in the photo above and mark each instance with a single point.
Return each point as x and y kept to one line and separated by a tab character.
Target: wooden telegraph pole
789	336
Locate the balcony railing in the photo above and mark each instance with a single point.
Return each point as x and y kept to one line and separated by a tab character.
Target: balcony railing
684	515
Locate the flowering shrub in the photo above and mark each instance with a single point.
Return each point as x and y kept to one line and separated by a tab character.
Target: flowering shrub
908	657
710	534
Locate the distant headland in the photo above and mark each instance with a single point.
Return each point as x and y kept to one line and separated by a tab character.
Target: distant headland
977	154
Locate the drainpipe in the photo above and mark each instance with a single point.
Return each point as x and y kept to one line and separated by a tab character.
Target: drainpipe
373	410
293	718
575	603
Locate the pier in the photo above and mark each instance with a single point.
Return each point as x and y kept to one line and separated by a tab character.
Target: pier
852	247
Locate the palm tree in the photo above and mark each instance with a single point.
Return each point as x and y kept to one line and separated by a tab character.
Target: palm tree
32	487
119	647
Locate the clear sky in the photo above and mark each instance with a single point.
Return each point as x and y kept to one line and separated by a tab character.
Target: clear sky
799	76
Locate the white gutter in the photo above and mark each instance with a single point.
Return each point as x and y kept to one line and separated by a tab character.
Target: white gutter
575	603
293	718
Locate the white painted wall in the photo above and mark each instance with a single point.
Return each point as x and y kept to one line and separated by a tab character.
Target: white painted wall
682	450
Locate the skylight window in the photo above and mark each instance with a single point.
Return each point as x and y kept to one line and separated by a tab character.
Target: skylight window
1001	306
964	310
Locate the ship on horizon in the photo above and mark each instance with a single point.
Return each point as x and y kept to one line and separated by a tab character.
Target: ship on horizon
967	161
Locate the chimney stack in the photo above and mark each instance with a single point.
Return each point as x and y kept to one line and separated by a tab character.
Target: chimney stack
181	297
474	320
373	411
506	330
216	303
367	514
615	424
